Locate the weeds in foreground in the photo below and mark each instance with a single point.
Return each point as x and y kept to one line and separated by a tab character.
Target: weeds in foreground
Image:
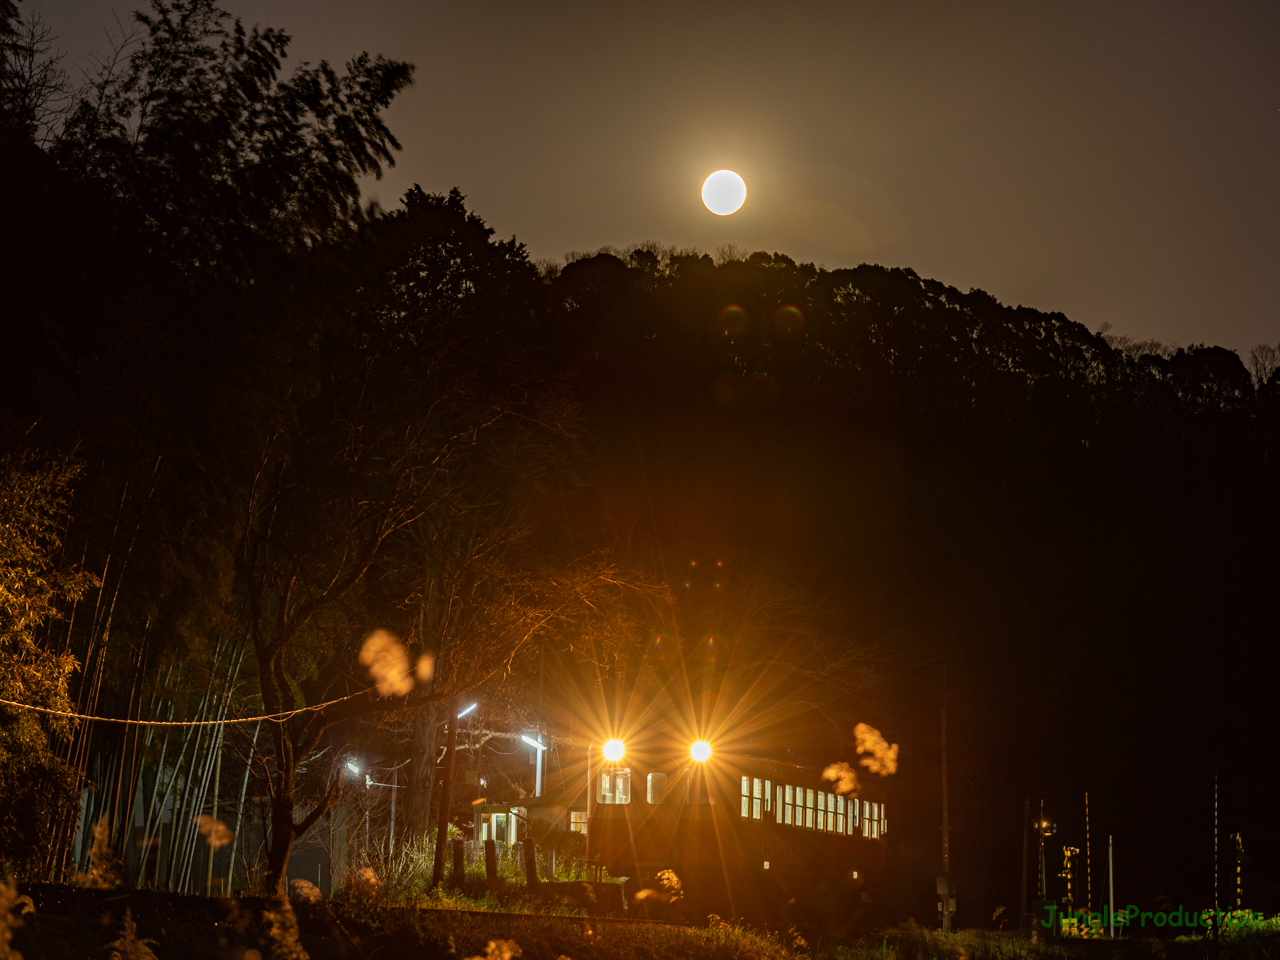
104	866
10	900
280	935
407	871
130	946
499	950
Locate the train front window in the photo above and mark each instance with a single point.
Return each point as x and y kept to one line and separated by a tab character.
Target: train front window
866	818
768	796
789	806
746	797
822	811
778	805
884	820
839	814
656	788
757	799
808	810
615	786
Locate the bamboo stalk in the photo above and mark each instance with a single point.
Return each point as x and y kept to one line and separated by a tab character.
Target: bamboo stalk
217	776
244	786
176	834
182	851
212	757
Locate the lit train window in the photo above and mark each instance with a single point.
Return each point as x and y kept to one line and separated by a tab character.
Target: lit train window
777	806
884	820
578	821
768	796
866	818
757	801
839	814
875	821
808	811
822	811
790	805
746	796
853	816
615	786
656	788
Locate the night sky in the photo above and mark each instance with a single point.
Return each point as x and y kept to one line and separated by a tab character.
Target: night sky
1116	162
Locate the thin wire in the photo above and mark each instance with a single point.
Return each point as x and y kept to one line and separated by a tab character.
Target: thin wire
274	717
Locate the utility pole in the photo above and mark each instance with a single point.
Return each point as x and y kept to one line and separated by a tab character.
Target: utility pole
1044	878
395	783
446	791
1026	826
1111	886
946	823
1216	922
1088	859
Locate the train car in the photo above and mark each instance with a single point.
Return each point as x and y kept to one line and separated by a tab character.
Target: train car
748	836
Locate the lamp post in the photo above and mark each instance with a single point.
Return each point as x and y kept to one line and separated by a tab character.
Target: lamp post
394	785
540	748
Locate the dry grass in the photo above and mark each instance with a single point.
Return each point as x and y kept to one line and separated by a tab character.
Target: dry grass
11	901
130	946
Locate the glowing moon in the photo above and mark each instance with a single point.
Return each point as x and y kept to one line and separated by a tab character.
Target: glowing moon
724	192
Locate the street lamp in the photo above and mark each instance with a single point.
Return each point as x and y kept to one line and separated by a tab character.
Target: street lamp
394	785
468	710
353	767
541	748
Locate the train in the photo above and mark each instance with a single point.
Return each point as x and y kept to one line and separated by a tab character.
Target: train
747	835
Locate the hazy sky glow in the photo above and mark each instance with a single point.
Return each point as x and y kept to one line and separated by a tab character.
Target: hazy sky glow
1119	162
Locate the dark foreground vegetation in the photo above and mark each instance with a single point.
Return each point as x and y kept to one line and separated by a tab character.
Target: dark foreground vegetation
246	422
70	923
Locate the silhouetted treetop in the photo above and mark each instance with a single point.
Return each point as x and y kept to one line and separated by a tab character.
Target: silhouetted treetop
192	132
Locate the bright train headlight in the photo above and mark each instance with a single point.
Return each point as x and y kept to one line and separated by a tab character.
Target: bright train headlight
700	750
614	750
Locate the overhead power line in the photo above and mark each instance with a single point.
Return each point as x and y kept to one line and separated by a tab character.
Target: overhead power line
274	717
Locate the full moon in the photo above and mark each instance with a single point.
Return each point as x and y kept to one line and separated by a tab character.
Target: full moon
724	192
